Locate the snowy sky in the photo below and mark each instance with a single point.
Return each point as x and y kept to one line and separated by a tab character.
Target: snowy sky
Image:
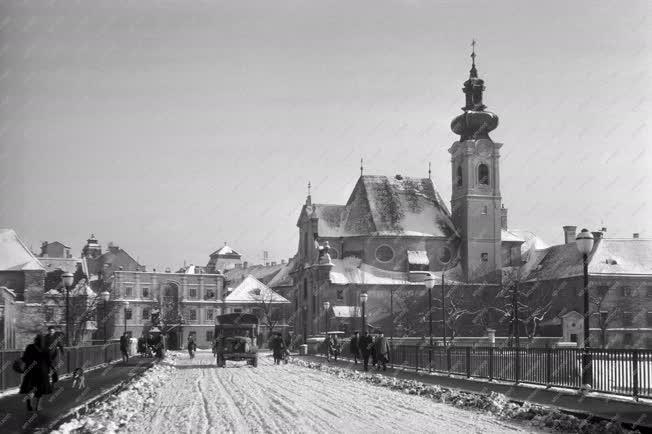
170	127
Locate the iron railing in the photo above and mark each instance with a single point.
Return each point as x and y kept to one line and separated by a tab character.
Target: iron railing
72	358
623	372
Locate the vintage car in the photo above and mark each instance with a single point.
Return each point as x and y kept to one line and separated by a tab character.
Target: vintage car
235	338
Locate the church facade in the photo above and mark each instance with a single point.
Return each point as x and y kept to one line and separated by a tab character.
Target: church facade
395	232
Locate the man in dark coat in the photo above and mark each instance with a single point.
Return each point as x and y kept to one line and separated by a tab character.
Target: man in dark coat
278	348
365	344
124	347
36	378
382	351
192	347
54	342
354	346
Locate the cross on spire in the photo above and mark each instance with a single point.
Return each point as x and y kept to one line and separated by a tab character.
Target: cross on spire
429	170
473	72
473	50
309	188
361	166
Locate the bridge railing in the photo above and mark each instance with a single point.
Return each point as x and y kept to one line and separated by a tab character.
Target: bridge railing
72	358
618	371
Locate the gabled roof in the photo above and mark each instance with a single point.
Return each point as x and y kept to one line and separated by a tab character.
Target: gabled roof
283	277
380	205
225	251
14	255
609	257
253	291
264	273
64	264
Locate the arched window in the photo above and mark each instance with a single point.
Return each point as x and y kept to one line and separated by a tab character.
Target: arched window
459	176
483	174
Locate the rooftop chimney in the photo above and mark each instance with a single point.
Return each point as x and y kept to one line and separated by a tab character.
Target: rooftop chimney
604	229
503	217
245	264
635	235
569	234
597	235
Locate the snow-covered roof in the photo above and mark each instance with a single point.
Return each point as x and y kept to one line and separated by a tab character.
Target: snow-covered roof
225	251
14	255
418	257
346	311
64	264
380	205
252	290
352	270
509	236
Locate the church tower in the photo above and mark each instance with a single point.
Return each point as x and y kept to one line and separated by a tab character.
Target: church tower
476	200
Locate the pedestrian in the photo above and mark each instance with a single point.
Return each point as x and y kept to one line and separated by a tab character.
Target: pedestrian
192	347
365	344
382	351
38	368
374	356
278	348
327	347
354	346
124	347
335	347
54	342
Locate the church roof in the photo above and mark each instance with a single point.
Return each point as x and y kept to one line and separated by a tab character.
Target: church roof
224	251
252	290
609	257
380	205
14	255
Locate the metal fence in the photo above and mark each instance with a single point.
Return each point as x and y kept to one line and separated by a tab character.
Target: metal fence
622	372
72	358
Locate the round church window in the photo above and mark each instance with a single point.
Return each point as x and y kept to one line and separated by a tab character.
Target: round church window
445	255
384	253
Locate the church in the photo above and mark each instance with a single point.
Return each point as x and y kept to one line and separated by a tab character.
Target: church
395	232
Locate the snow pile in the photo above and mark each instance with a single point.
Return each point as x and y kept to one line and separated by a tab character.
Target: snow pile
114	413
494	403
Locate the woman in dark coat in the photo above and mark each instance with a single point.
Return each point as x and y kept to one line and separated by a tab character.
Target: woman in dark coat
36	378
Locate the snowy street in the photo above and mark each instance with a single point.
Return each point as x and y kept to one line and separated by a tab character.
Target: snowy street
199	397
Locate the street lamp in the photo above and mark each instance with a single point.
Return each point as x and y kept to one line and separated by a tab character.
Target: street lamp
430	283
104	295
363	303
443	305
67	279
126	303
327	305
584	243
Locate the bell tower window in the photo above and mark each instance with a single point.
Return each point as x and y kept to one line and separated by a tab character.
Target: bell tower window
459	176
483	174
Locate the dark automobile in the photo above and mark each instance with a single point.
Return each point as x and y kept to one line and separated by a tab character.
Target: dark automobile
235	338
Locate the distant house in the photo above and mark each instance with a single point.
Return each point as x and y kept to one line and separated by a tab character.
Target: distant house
99	266
225	258
54	249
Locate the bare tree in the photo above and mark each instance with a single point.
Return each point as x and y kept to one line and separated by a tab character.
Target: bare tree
411	311
268	311
606	309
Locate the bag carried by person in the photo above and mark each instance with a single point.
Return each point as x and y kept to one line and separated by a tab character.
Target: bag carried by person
19	366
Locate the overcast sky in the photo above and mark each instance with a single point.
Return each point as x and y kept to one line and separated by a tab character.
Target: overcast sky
170	127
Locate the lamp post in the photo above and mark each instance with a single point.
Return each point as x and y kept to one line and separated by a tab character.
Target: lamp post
584	242
105	295
443	305
363	303
327	306
430	283
67	280
126	307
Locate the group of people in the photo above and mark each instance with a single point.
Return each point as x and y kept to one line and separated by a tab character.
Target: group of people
332	346
365	347
38	365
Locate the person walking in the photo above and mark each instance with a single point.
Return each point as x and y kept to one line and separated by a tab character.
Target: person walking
335	347
365	344
124	347
327	347
278	348
192	347
354	347
38	367
374	355
382	351
54	343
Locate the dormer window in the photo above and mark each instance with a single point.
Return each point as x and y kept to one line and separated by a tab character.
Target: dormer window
459	176
483	174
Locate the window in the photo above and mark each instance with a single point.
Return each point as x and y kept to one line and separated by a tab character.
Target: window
459	176
128	313
444	255
209	335
604	317
192	292
340	294
648	291
484	257
145	313
209	314
49	314
485	210
627	291
483	174
384	253
305	289
649	318
192	313
627	339
128	291
210	294
237	310
602	290
145	292
627	319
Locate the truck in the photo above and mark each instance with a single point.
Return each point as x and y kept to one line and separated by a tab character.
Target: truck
235	338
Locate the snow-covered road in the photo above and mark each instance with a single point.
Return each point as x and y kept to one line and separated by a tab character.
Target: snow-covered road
203	398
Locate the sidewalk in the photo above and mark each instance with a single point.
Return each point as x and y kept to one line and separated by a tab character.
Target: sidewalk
14	417
600	405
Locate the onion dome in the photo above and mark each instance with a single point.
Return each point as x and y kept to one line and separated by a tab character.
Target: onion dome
475	122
